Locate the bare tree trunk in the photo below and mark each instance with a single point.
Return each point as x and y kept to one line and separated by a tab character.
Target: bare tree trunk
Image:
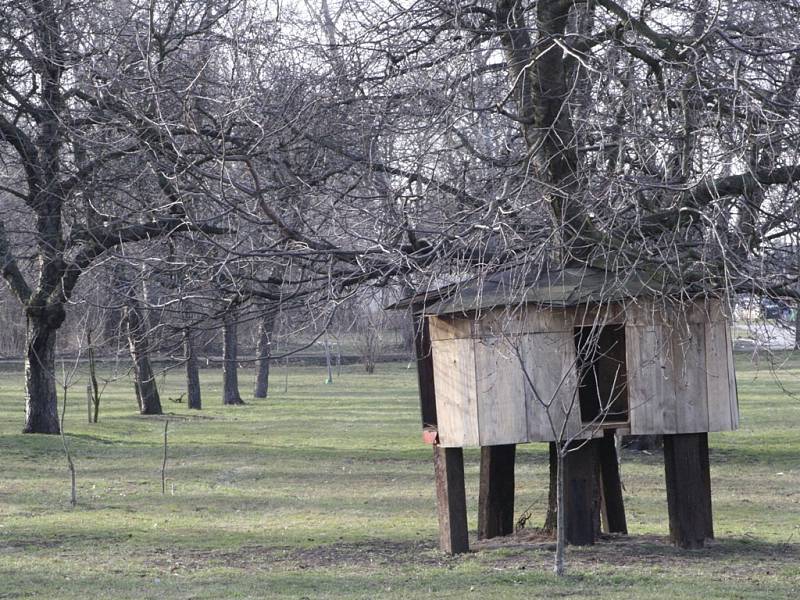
192	372
263	355
41	399
551	519
230	357
93	387
561	535
143	377
329	380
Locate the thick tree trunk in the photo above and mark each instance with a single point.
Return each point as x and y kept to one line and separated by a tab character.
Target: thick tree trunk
143	378
192	371
230	357
263	352
41	400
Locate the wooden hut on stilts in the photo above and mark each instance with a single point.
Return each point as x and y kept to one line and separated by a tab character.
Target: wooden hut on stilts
572	356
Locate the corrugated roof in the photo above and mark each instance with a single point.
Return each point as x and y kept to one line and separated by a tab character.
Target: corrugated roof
531	284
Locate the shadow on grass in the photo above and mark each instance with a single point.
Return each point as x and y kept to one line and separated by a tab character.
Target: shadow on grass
634	551
646	550
636	567
372	553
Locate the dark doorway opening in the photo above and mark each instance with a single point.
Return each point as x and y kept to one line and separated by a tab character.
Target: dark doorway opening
603	390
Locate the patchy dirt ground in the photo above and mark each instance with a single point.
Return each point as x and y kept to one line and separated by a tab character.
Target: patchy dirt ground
527	549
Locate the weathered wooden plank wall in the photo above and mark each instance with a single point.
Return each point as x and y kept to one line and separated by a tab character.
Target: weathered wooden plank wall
679	372
502	416
689	376
549	359
456	394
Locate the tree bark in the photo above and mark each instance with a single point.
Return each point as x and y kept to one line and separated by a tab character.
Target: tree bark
537	75
263	353
143	378
192	372
93	387
561	534
551	518
230	357
41	399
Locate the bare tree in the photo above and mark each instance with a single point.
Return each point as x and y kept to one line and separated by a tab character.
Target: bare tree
369	332
193	392
144	379
263	352
652	136
230	358
66	131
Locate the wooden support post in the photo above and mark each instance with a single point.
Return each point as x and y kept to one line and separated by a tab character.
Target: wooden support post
580	481
427	392
688	489
613	507
448	463
496	494
451	499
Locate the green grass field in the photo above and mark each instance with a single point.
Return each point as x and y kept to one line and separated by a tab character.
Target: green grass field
326	491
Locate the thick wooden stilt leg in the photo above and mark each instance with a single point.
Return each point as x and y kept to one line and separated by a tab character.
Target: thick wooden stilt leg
580	479
448	463
688	489
613	507
451	499
496	495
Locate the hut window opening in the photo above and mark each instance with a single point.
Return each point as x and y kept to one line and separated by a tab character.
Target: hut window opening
603	390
